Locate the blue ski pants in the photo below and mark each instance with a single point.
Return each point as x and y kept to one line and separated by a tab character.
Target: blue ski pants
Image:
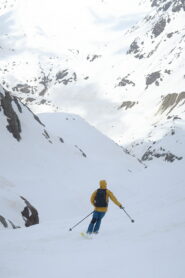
95	222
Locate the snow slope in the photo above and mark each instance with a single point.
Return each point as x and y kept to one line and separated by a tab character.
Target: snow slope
38	163
57	166
153	246
11	206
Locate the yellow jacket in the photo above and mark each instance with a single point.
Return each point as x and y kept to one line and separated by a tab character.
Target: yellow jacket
109	194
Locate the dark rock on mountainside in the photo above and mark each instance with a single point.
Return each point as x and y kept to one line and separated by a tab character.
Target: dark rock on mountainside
170	35
14	125
153	77
134	48
167	156
61	140
29	99
7	223
178	5
155	3
29	214
82	152
24	88
159	27
44	79
65	77
61	74
8	103
91	58
167	71
127	104
125	81
160	18
3	221
164	5
153	50
171	101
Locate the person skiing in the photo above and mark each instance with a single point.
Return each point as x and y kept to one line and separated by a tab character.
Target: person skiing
99	200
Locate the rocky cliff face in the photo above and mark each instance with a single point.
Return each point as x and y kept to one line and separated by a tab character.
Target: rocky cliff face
14	125
12	111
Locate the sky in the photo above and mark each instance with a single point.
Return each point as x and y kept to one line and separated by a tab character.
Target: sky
77	24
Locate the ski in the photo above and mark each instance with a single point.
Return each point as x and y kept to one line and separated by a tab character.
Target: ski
86	236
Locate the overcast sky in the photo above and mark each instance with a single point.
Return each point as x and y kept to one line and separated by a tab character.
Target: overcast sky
79	23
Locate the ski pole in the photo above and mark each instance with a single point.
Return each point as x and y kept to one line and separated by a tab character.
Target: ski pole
132	220
80	221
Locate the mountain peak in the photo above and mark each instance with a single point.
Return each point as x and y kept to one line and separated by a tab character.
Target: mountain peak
164	5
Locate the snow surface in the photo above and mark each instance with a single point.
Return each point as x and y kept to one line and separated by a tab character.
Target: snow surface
58	178
59	184
11	204
151	247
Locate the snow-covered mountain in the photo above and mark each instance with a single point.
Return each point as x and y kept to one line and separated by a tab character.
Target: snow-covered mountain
56	167
128	82
136	74
58	176
36	162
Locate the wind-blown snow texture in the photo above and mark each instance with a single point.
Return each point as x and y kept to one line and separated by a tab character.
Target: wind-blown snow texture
129	83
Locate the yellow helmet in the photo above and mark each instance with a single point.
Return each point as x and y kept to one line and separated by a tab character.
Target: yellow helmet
103	184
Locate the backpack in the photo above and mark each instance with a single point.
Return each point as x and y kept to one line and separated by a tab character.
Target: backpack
100	199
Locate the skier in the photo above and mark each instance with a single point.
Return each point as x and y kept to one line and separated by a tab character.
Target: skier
99	200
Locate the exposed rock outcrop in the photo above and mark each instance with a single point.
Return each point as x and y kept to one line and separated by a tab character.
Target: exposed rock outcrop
7	223
15	211
82	152
134	47
125	81
8	104
3	221
153	78
159	27
170	101
167	156
65	77
91	58
164	5
127	104
24	88
29	214
14	125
